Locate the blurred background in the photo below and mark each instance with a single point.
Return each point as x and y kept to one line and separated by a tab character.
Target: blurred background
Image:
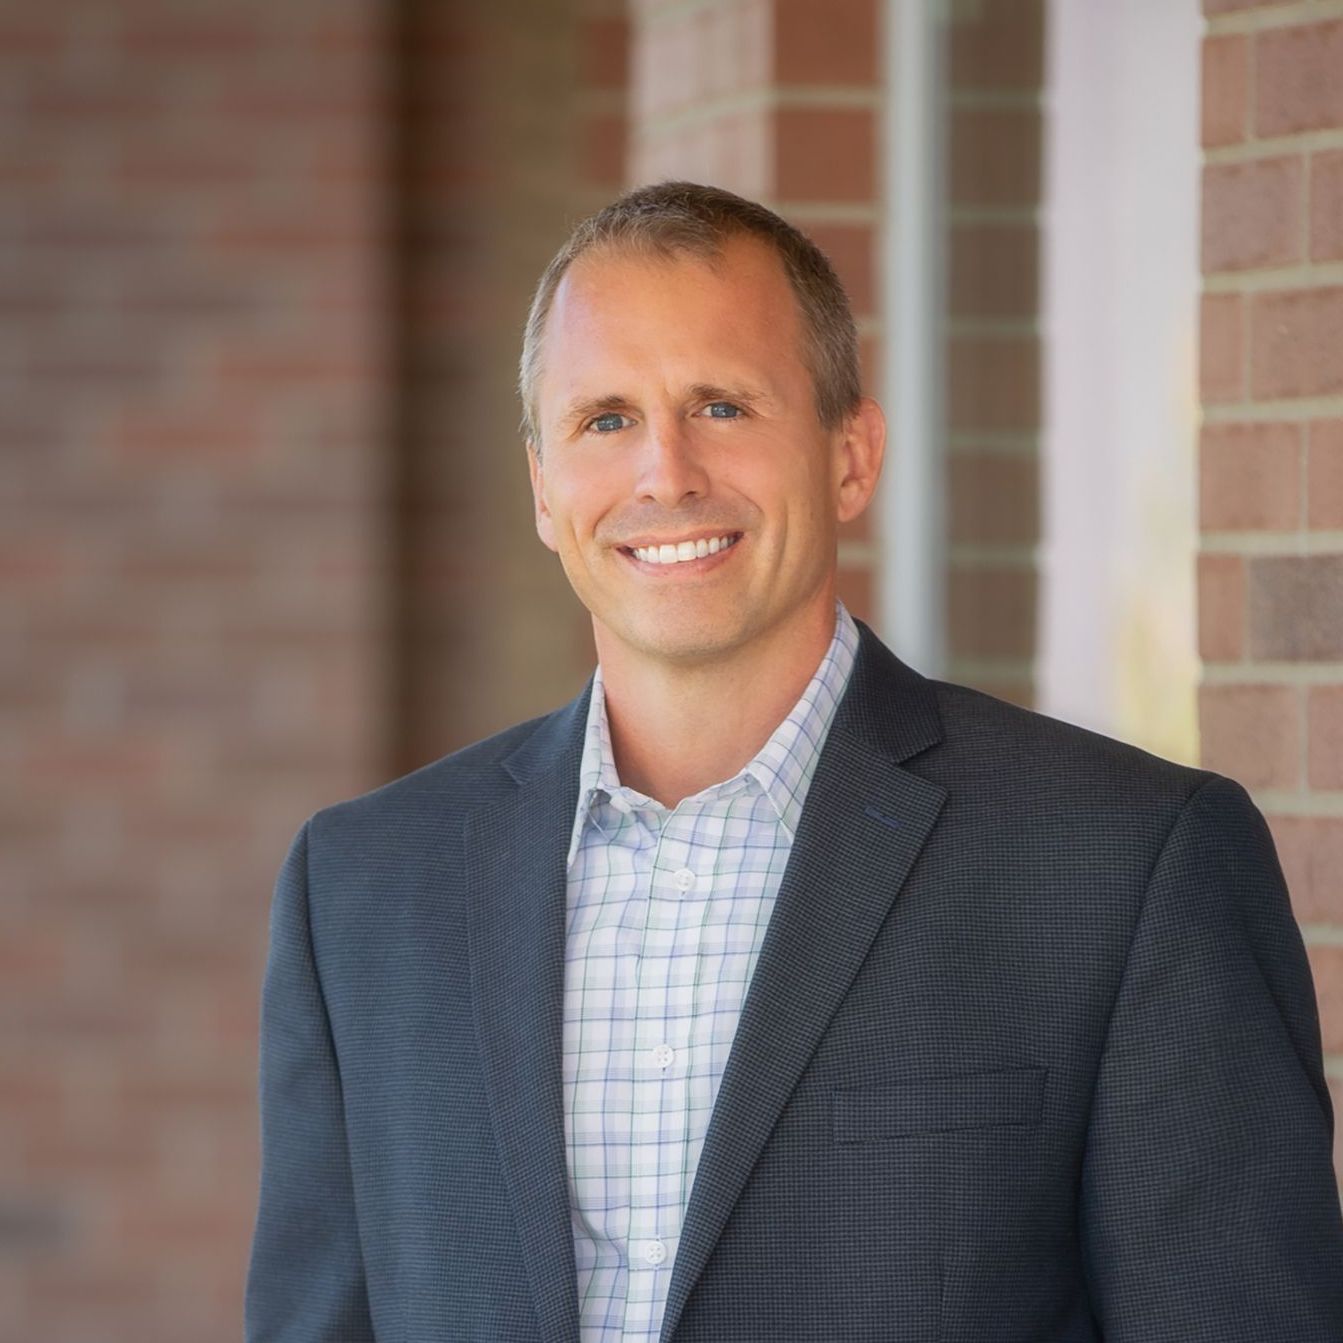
265	535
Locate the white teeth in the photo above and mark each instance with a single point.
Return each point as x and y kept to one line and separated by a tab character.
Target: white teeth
682	550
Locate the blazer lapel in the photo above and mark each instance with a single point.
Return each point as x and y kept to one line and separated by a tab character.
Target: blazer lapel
515	855
864	824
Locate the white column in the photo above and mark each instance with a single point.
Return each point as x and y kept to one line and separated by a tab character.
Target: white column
911	506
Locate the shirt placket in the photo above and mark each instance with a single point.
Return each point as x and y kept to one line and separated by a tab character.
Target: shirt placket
664	1010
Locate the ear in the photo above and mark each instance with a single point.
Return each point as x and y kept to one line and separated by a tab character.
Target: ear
545	524
858	457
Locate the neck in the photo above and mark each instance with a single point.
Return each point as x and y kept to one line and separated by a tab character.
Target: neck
677	729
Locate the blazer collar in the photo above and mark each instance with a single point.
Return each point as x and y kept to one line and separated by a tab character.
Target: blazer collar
886	704
862	828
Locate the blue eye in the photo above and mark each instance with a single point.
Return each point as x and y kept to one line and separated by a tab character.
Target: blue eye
723	410
605	424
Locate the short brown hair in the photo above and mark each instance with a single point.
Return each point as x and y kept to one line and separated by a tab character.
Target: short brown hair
685	217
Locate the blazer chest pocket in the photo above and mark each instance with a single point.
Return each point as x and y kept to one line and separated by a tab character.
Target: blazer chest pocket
1003	1097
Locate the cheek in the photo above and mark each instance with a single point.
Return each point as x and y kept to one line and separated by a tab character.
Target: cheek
576	512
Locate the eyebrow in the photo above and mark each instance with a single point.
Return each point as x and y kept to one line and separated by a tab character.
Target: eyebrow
747	396
592	405
583	407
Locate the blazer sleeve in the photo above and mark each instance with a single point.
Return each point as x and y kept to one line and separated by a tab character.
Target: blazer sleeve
1209	1208
305	1281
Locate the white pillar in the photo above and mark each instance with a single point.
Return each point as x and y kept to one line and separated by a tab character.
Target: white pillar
911	507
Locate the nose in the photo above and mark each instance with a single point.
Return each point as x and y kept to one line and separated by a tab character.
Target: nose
670	470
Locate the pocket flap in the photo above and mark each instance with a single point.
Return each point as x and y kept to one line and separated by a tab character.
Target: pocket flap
1001	1097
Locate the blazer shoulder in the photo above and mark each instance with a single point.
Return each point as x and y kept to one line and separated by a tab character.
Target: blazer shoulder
444	786
1006	740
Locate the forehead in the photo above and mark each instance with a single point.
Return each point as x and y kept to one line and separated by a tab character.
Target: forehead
632	312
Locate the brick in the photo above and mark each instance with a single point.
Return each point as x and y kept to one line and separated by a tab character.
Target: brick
995	156
1324	475
357	30
1336	1099
1296	342
1221	608
604	51
857	590
1326	206
314	367
298	106
1296	607
1252	214
652	69
991	612
993	383
1234	6
32	959
870	367
1250	477
834	43
1326	969
32	37
101	106
1006	687
1298	87
32	296
999	46
603	150
1250	733
1221	348
293	233
995	498
207	36
1293	838
172	623
994	270
90	362
1310	849
852	252
684	59
109	231
859	528
825	154
1225	90
734	150
1324	736
160	167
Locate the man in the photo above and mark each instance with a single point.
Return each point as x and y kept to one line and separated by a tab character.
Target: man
771	990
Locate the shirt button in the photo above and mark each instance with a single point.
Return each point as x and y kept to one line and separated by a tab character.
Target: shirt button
621	804
663	1055
654	1251
684	878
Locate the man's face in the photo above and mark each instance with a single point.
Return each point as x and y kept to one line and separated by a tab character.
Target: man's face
683	477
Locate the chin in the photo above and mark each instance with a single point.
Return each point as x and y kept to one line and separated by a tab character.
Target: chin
681	636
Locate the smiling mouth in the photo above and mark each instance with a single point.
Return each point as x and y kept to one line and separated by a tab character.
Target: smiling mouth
681	552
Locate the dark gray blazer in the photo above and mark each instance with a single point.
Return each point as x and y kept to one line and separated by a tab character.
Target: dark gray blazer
1031	1055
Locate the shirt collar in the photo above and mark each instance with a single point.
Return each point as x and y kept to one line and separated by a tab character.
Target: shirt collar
784	765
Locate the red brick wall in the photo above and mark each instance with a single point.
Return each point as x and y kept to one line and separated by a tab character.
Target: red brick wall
1271	455
191	637
266	541
995	128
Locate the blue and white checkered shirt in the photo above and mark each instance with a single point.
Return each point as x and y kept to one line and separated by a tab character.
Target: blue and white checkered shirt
667	910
